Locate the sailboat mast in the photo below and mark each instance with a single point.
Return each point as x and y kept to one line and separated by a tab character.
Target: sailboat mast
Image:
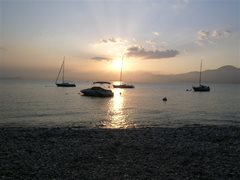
200	78
121	69
59	73
63	70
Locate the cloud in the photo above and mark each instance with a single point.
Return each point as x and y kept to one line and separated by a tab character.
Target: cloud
98	58
113	40
156	45
156	33
163	45
216	34
140	52
151	43
204	36
227	33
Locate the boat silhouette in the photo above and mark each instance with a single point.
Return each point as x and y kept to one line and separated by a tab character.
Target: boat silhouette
63	83
121	84
201	87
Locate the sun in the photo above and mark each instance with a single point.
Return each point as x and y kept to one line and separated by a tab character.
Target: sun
116	64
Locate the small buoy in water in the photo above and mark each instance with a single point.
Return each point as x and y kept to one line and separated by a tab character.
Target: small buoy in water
164	99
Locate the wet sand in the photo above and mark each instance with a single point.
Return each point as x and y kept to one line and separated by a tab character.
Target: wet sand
201	152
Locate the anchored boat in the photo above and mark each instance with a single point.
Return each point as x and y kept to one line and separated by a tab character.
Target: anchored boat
99	89
63	83
121	84
201	87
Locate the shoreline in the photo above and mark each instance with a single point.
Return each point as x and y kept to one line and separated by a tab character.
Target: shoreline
197	152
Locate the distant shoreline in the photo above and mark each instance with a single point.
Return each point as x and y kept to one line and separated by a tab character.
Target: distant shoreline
223	75
199	152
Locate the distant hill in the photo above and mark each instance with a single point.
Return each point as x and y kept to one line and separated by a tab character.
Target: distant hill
225	74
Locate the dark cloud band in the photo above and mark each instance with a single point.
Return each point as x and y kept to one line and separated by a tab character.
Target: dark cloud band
100	58
144	54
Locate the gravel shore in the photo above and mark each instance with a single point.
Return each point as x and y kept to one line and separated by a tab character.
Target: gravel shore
201	152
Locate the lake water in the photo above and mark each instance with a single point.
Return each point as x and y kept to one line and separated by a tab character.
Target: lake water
42	104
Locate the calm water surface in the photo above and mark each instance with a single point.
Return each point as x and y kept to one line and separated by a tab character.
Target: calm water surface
25	103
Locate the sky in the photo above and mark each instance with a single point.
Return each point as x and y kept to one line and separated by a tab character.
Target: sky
151	36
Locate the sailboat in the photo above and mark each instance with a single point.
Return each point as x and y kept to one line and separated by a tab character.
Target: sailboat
121	84
201	87
63	83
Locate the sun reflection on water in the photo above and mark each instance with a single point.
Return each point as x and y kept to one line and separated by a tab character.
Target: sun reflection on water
117	115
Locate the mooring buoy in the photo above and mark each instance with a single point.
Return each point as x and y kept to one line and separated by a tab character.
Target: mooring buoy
164	99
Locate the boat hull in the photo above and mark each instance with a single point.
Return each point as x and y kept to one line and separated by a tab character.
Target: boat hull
124	86
65	85
201	88
97	93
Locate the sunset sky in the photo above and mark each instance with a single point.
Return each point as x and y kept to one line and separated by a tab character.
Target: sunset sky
159	37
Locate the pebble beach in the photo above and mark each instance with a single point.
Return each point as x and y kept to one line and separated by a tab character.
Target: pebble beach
197	152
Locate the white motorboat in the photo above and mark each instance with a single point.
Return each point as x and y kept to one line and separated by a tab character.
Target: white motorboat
99	89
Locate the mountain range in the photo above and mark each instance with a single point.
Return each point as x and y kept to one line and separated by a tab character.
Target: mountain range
224	74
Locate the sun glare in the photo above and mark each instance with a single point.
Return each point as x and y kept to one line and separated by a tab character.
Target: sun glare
117	114
116	64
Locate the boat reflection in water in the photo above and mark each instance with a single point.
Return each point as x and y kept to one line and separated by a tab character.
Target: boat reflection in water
117	115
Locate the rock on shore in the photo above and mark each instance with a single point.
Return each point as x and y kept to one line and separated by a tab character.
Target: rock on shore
202	152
